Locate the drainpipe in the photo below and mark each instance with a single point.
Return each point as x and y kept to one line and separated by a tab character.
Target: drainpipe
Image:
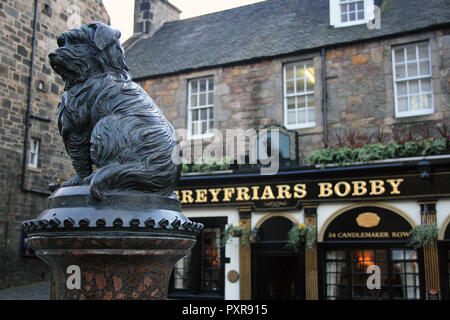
28	111
324	95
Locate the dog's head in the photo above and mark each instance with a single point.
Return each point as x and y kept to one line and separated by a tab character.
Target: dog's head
88	50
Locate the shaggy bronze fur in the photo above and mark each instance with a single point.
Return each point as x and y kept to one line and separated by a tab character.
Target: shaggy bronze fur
109	121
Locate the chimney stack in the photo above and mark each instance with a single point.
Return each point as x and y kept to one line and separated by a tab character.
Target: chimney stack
150	15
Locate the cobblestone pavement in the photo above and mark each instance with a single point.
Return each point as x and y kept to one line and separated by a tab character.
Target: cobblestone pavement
35	291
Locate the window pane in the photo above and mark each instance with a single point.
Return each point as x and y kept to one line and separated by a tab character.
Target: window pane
203	114
291	117
300	74
193	86
352	6
360	15
401	88
211	84
412	69
202	99
301	102
411	53
414	103
290	73
202	85
194	100
344	17
211	260
290	87
204	127
352	16
196	127
290	103
425	85
300	85
413	87
400	71
399	55
410	255
423	51
195	115
301	114
360	5
210	98
331	254
310	81
424	68
402	104
310	100
211	113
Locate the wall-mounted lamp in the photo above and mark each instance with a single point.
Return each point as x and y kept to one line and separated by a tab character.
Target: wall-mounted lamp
256	235
425	171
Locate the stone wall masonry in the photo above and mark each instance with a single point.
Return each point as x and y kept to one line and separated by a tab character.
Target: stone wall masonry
359	91
16	30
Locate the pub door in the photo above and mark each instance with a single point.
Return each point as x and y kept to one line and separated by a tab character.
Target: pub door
277	273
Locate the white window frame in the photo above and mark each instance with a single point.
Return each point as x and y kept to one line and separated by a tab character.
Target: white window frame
198	107
33	161
409	113
307	124
335	13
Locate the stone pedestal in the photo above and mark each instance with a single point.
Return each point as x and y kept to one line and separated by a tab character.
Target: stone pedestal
124	247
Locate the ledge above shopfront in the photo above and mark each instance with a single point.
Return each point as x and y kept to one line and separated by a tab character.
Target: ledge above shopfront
399	179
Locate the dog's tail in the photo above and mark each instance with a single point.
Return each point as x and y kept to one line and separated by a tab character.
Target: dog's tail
134	176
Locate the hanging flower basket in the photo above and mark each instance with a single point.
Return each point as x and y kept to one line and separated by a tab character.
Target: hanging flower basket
238	231
423	235
300	235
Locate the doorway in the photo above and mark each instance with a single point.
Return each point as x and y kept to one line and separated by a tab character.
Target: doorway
277	272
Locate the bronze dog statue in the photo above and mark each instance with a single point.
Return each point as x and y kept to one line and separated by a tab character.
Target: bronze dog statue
109	121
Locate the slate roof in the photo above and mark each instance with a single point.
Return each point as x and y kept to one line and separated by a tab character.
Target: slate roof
267	29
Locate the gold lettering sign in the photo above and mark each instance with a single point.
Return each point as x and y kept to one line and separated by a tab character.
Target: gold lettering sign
368	220
341	189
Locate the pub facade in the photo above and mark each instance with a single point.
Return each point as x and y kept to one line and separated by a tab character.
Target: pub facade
363	216
337	76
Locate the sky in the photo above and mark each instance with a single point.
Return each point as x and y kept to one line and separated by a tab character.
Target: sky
122	11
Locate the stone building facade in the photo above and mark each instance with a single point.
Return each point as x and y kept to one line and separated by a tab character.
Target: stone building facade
327	75
359	88
23	190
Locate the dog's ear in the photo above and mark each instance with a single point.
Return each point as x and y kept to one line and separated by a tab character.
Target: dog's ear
103	35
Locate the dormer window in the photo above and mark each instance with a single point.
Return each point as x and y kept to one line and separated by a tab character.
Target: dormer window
351	10
344	13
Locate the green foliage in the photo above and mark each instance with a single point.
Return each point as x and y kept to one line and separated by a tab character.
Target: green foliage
239	231
378	151
422	235
409	149
321	156
344	155
207	165
434	147
370	152
301	234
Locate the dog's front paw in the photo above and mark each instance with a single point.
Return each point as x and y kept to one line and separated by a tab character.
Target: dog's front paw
96	193
88	179
74	181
